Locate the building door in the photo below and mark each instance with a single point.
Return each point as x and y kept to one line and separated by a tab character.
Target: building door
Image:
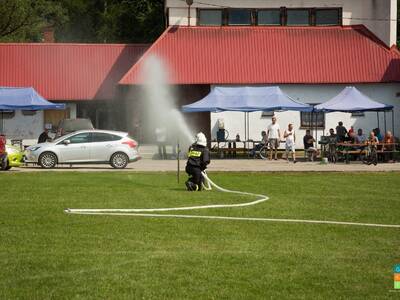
54	117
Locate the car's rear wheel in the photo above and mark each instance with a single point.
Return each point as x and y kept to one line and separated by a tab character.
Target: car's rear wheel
47	160
119	160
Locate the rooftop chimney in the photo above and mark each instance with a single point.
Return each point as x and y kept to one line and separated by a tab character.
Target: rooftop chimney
48	35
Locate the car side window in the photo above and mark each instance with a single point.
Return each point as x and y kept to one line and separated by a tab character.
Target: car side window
104	137
80	138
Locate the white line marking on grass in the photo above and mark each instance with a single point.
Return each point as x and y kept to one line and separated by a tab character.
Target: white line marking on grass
235	218
261	198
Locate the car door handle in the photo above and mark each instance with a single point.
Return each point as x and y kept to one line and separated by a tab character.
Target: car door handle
108	145
83	147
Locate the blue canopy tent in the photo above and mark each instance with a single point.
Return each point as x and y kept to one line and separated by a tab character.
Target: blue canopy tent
352	100
246	99
24	99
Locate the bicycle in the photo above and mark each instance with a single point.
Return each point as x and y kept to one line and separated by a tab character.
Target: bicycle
372	155
332	154
260	150
263	152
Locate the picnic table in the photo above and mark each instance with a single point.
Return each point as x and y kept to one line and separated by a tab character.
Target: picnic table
359	149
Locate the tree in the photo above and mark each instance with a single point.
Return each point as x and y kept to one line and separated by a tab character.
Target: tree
23	20
112	21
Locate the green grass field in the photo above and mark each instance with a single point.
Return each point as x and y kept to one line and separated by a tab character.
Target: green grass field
47	254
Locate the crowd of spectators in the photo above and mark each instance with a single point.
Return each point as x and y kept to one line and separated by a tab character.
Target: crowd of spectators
360	140
272	137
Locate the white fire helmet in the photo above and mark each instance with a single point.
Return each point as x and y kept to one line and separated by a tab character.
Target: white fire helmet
201	139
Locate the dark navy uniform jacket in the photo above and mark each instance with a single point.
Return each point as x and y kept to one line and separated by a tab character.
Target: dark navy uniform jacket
198	156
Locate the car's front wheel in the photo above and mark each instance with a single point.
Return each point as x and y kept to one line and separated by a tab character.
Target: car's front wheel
47	160
119	160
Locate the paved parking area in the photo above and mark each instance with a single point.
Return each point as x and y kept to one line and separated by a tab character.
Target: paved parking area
229	165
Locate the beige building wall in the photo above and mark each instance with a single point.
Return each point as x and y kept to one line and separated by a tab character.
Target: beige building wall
379	16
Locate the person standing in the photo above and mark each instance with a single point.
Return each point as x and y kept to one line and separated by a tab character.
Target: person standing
341	132
290	143
274	137
351	130
161	137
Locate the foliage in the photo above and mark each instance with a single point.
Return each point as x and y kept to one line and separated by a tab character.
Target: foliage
23	20
87	21
47	254
112	21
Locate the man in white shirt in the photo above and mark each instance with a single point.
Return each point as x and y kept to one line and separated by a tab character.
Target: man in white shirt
290	137
161	137
274	137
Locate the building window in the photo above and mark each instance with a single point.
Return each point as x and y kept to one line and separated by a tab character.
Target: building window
358	114
269	17
29	112
7	114
239	17
312	120
298	17
267	114
210	17
325	17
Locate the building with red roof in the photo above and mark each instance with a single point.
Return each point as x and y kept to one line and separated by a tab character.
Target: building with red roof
85	76
274	55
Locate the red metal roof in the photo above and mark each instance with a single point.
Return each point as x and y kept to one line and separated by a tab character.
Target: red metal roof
260	55
67	71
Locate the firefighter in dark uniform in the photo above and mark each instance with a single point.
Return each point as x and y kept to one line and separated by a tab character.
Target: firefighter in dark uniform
198	159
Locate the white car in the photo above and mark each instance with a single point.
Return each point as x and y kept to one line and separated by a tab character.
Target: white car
85	146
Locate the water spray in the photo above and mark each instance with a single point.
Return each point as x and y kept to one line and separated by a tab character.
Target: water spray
178	151
160	105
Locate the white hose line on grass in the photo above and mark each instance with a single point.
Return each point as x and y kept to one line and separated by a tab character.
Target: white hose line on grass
260	199
135	212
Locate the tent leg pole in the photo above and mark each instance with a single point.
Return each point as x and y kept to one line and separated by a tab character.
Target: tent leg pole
248	127
316	126
393	122
313	122
245	126
377	117
324	133
384	119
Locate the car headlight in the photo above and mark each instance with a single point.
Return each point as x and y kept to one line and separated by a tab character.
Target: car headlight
34	148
